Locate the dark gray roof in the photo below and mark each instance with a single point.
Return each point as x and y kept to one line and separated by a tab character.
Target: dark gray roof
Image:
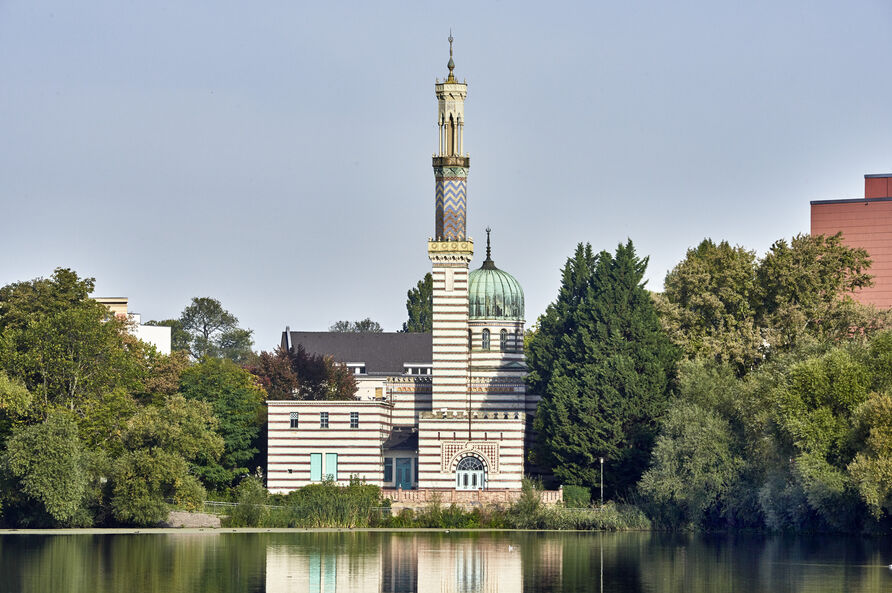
850	201
402	438
383	353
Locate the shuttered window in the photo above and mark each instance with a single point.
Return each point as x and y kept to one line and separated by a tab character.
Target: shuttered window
315	467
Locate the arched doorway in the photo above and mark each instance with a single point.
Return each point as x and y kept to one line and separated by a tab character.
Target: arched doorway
470	474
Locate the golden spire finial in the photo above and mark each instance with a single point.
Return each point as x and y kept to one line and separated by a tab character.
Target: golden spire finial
451	64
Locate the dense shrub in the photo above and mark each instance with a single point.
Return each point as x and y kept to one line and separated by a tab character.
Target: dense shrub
577	497
325	505
250	510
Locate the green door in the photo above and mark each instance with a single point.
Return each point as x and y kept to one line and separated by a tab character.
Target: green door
404	473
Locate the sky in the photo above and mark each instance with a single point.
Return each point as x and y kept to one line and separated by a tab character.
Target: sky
276	155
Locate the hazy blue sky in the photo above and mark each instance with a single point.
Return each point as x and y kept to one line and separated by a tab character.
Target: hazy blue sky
276	155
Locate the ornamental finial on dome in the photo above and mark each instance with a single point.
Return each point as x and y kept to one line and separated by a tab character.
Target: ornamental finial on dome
488	264
451	64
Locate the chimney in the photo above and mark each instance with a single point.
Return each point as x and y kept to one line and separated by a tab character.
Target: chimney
878	186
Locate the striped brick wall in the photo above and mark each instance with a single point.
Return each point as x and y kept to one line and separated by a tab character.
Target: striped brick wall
498	439
450	323
497	375
410	396
358	449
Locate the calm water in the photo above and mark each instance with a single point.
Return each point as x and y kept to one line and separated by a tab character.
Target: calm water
458	562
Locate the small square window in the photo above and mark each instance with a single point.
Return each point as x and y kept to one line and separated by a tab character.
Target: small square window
294	419
354	419
323	419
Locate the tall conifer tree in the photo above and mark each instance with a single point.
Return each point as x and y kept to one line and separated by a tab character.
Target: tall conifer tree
420	306
603	366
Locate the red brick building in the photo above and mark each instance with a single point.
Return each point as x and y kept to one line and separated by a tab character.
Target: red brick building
864	222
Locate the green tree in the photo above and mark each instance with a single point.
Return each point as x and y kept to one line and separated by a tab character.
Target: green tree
163	375
71	354
871	469
22	302
47	474
801	285
603	366
723	303
420	306
212	331
237	404
160	443
693	468
709	304
15	404
799	443
251	508
363	326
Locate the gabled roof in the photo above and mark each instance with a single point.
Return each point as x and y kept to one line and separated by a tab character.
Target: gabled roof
383	353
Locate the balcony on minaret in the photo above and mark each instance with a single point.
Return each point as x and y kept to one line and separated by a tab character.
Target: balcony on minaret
451	118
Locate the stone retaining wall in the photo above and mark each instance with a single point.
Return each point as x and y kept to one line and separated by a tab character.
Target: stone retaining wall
464	498
186	519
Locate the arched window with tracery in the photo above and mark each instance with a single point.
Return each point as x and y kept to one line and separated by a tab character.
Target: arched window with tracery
485	340
470	474
503	340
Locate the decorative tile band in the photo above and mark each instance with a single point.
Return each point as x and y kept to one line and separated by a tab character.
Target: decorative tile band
450	172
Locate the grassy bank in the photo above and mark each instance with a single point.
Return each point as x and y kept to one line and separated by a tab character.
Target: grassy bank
360	505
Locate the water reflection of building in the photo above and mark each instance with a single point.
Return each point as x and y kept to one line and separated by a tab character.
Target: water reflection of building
298	569
543	565
399	564
410	563
469	565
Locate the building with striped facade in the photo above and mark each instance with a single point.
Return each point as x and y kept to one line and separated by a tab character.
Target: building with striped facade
444	412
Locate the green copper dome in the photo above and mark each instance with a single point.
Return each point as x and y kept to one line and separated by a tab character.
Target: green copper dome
493	293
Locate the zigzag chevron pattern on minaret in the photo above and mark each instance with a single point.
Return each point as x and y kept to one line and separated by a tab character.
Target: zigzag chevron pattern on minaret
451	195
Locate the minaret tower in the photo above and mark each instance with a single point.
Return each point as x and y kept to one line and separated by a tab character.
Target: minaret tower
450	250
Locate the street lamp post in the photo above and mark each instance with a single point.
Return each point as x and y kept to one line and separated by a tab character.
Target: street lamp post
601	459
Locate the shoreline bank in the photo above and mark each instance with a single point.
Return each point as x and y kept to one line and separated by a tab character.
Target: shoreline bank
224	530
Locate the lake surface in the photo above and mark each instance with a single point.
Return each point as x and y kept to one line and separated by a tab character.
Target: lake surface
461	562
